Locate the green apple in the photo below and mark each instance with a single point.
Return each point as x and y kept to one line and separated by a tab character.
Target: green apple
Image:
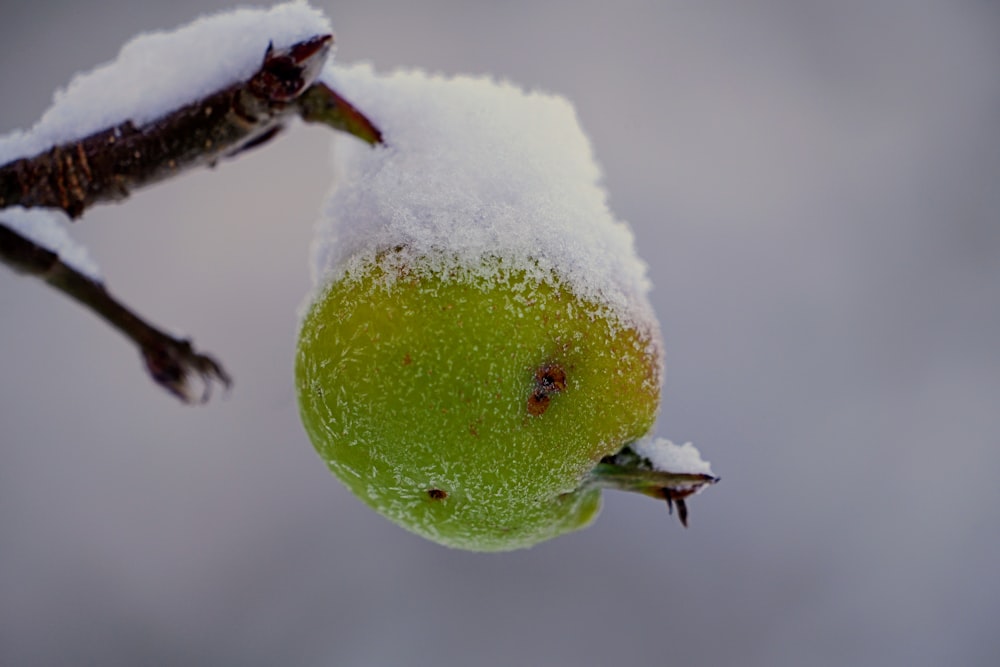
472	407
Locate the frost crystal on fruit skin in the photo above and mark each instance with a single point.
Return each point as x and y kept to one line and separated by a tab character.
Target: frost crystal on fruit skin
476	173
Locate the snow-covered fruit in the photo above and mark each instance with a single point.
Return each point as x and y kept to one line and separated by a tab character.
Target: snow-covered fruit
480	357
472	408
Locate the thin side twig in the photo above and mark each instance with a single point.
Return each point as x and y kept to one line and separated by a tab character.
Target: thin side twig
321	104
172	362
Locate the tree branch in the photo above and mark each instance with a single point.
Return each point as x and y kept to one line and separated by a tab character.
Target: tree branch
108	165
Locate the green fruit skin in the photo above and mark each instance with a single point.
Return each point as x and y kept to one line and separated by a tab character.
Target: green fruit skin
413	382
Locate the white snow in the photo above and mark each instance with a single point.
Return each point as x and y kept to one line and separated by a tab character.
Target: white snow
44	228
158	72
474	169
665	456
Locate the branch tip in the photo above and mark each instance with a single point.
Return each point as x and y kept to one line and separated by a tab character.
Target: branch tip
321	104
172	363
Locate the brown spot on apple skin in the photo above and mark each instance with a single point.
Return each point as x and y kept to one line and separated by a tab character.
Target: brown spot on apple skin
538	404
407	360
549	379
437	494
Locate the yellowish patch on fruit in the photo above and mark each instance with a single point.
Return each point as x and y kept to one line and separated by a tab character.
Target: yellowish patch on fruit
469	408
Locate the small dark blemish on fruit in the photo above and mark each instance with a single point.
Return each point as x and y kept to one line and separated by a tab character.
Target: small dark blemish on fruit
549	379
407	360
437	494
538	403
552	377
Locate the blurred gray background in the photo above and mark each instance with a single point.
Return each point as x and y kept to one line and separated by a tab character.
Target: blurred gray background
815	188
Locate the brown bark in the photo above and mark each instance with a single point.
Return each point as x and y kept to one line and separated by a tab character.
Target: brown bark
107	165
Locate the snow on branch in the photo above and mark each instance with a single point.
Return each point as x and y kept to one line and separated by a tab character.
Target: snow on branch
107	165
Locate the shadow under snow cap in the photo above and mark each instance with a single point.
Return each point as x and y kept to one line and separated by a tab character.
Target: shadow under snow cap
473	170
